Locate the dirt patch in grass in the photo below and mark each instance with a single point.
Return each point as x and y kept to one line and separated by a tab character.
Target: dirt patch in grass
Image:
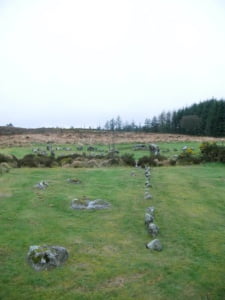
120	281
5	195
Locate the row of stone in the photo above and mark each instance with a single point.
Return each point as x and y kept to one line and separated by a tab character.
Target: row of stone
152	228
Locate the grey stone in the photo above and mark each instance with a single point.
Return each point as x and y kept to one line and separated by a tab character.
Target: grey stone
148	196
153	229
46	257
147	175
154	149
147	169
42	185
147	184
89	204
147	172
148	219
150	210
154	245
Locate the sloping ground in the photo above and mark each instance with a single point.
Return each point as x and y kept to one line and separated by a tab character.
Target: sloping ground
95	137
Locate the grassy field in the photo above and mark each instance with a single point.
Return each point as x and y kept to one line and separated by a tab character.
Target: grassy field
107	254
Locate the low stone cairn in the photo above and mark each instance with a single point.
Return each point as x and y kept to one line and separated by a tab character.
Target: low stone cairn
46	257
85	203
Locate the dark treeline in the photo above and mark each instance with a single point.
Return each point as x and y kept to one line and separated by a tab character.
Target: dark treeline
206	118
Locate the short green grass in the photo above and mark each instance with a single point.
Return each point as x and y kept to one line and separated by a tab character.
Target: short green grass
107	254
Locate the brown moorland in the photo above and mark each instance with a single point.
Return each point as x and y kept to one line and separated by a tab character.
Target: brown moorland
86	137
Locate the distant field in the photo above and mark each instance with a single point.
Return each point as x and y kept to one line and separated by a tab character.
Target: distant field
107	254
167	149
170	144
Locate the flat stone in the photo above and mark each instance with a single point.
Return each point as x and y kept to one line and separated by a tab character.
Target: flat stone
89	204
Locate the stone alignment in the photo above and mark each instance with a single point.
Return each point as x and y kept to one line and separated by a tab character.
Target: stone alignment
152	228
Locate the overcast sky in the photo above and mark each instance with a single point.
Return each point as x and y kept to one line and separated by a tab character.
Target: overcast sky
81	62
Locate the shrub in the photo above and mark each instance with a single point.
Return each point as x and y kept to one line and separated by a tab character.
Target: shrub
188	156
115	161
35	161
212	152
173	161
128	159
151	160
10	159
67	159
29	160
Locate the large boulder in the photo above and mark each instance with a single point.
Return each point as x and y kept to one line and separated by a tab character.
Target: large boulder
46	257
154	245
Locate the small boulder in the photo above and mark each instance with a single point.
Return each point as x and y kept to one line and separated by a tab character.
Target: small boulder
154	245
41	185
148	219
46	257
153	229
148	184
148	196
147	175
150	210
